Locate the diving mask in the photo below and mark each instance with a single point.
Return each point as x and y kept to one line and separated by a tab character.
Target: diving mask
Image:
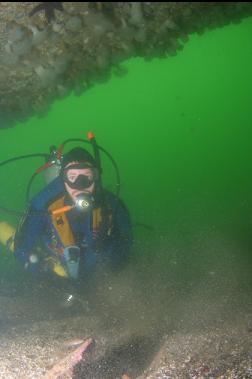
79	176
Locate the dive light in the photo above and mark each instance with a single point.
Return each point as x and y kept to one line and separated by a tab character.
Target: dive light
83	202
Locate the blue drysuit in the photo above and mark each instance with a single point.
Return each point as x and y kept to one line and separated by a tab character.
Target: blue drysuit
108	245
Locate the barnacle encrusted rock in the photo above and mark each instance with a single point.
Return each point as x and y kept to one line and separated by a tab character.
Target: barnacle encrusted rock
49	49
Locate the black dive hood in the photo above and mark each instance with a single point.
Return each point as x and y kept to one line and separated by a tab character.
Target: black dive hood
55	159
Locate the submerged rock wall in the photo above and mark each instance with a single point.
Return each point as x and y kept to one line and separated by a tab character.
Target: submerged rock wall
49	49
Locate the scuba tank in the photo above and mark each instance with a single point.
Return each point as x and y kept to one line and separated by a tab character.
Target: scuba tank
53	167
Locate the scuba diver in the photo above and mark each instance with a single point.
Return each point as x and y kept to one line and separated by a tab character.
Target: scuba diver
73	226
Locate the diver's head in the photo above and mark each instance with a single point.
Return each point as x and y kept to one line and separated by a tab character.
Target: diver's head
79	173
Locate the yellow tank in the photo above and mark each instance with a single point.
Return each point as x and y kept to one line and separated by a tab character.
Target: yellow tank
7	233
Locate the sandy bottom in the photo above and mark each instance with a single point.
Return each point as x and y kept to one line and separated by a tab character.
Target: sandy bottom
147	326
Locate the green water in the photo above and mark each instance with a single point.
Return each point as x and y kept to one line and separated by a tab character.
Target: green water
180	132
